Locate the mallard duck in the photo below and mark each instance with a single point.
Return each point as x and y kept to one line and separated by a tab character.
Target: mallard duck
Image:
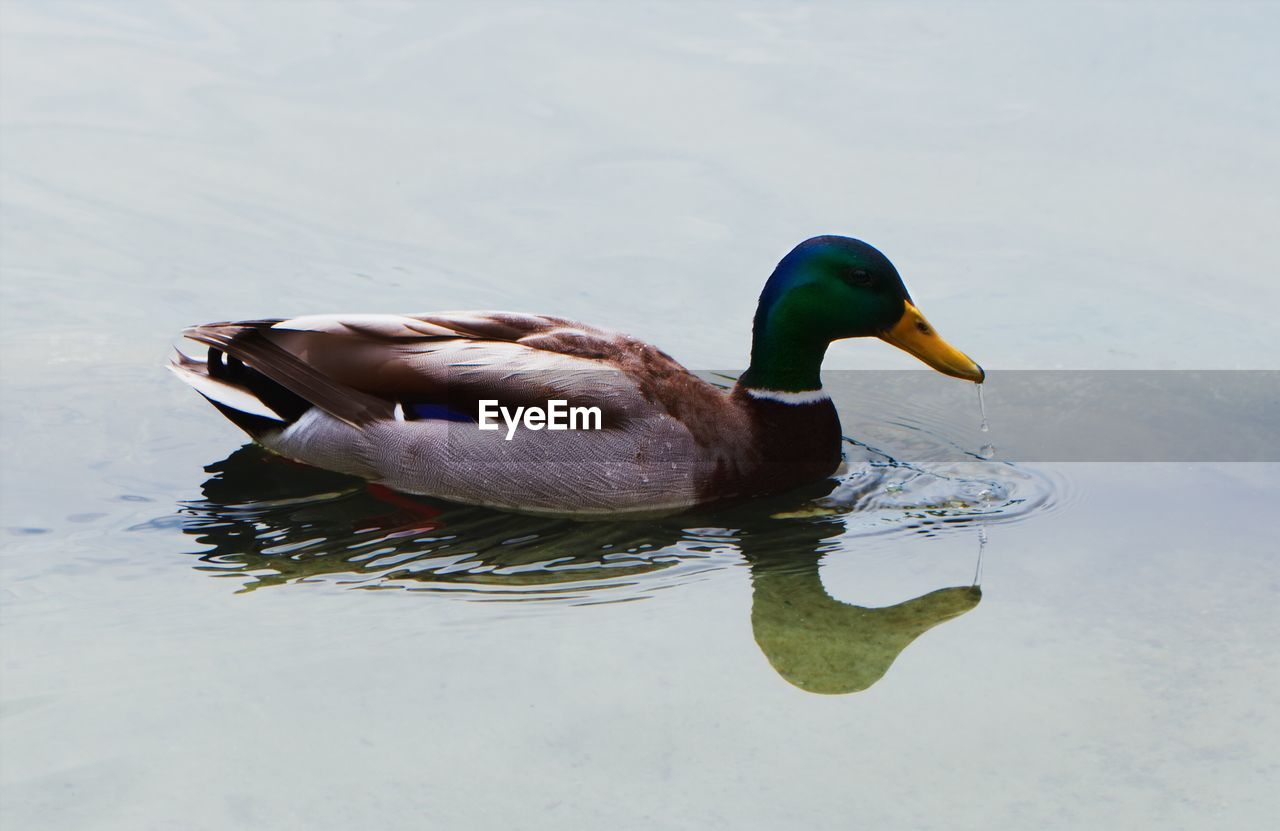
412	401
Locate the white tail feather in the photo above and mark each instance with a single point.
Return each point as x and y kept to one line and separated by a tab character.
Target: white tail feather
237	398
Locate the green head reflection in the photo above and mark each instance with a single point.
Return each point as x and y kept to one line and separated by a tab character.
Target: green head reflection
824	646
818	643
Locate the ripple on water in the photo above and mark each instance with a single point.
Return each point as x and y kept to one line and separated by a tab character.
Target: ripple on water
267	522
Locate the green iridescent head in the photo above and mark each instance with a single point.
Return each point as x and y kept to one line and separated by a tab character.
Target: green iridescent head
829	288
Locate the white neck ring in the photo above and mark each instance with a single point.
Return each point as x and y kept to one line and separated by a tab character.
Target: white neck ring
784	397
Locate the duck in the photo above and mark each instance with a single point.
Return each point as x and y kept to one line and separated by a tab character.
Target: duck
412	402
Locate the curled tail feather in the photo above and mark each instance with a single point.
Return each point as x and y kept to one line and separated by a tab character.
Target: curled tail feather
252	358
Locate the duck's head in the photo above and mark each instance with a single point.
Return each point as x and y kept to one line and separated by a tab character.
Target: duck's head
830	288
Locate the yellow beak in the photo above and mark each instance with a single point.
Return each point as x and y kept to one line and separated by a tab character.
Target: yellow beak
912	333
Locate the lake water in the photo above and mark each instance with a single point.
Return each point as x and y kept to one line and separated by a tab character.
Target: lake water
198	636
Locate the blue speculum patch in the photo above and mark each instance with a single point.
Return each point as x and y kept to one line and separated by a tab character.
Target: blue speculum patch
440	412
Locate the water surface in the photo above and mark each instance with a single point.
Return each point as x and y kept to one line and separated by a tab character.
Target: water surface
197	635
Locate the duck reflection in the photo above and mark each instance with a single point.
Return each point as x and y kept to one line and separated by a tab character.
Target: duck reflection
823	645
267	521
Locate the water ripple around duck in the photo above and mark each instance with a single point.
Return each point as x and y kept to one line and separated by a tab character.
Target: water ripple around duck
266	522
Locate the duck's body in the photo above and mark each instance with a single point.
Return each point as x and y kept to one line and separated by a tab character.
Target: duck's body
397	399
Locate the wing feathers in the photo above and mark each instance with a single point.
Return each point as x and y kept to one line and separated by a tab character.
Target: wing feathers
357	367
376	326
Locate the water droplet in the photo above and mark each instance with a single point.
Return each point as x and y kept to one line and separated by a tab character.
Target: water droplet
982	408
986	451
982	547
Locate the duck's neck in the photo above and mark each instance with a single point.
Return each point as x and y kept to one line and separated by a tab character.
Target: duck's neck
786	358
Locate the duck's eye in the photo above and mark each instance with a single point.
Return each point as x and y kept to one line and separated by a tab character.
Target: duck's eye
858	277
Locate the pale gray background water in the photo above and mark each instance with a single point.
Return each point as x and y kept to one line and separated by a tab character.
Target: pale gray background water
1062	186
